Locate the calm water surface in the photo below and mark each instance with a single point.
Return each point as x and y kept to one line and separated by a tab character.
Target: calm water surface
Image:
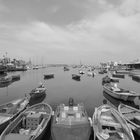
89	90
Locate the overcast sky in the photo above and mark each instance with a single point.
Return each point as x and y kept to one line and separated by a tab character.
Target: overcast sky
67	31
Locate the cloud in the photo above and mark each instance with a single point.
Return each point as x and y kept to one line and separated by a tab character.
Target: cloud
108	36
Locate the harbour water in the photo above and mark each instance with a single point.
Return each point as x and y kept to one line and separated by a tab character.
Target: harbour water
88	90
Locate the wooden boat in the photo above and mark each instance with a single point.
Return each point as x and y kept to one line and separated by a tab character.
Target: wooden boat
15	77
81	72
136	78
38	92
118	75
108	79
6	79
132	116
70	123
101	72
91	74
120	93
122	72
10	111
30	124
48	76
76	77
3	69
108	124
66	69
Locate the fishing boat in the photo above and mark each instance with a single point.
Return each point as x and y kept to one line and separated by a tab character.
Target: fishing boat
76	77
108	124
30	124
101	71
70	122
11	110
132	116
122	72
120	93
6	79
91	73
48	76
118	75
15	77
66	69
108	79
38	92
81	72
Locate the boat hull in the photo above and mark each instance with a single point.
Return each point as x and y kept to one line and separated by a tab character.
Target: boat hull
133	125
118	75
81	132
119	96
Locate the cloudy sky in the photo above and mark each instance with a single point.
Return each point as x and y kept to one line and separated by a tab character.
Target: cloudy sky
70	31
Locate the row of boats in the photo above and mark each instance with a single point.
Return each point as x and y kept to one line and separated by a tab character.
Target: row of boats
68	122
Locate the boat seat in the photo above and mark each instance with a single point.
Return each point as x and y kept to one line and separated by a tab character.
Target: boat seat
16	137
109	123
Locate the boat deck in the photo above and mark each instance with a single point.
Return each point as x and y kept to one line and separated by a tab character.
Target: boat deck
14	136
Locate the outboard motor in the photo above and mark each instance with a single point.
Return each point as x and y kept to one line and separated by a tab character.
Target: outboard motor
71	102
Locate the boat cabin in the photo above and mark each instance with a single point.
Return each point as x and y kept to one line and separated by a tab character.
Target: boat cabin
69	115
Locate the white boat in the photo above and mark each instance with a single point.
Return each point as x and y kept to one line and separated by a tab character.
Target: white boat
70	122
81	72
132	116
108	124
9	111
120	93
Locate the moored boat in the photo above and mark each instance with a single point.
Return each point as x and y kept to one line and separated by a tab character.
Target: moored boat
90	73
76	77
38	92
108	79
120	93
15	77
30	124
81	72
6	79
118	75
122	72
66	69
48	76
70	122
132	116
11	110
108	124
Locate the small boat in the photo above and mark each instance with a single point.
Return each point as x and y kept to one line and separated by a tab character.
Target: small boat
118	75
66	69
91	74
136	78
48	76
76	77
30	124
70	122
108	124
81	72
10	111
6	79
108	79
15	77
38	92
132	116
122	72
120	93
